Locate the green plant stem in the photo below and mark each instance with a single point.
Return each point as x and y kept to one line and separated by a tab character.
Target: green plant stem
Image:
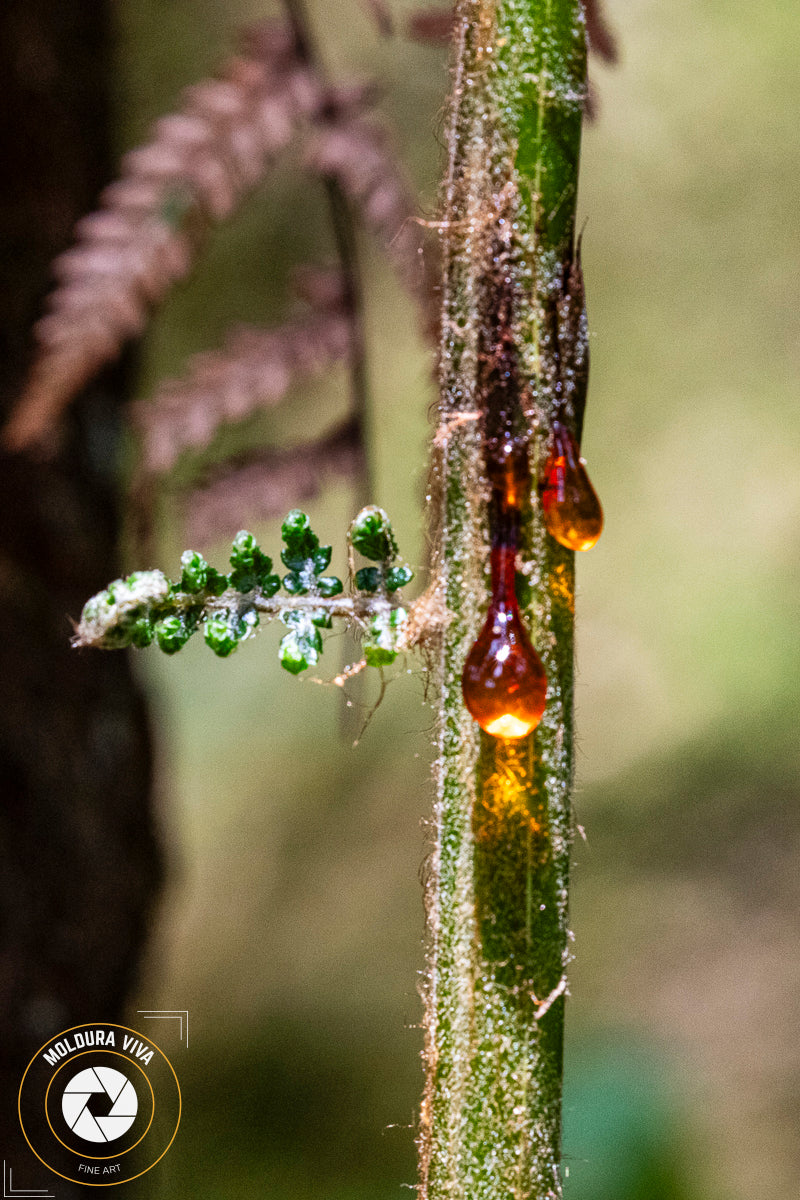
497	893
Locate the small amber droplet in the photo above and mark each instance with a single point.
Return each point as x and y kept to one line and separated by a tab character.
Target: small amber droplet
572	511
504	683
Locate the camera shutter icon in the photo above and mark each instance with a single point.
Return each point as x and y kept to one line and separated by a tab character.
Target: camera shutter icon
94	1089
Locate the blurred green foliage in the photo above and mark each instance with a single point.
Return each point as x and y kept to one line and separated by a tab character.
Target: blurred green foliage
292	928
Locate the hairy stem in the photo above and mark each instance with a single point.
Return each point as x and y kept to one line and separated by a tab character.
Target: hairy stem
497	896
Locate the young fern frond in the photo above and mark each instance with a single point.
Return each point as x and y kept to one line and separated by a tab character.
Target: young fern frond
148	607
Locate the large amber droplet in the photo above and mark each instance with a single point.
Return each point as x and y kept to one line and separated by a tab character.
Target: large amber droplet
504	682
572	512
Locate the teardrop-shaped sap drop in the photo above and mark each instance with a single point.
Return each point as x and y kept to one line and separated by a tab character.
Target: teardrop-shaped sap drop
504	683
573	514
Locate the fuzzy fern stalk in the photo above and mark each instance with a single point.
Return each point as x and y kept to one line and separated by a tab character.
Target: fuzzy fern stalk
497	893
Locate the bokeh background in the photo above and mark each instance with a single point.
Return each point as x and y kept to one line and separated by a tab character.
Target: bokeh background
291	925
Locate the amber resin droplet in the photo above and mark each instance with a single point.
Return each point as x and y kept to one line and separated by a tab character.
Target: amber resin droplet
504	682
572	512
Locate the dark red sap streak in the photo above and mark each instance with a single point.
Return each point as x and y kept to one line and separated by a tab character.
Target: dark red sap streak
504	683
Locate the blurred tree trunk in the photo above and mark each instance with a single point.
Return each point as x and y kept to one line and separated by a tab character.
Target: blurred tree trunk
79	861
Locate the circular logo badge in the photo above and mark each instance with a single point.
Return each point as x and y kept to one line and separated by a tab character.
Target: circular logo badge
99	1104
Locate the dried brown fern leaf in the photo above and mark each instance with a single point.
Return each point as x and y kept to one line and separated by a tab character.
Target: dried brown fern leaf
261	488
355	150
254	371
195	170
